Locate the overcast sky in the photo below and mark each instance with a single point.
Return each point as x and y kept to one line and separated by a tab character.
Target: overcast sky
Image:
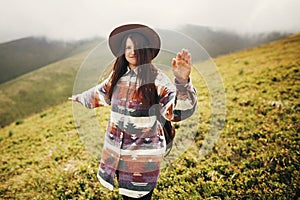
77	19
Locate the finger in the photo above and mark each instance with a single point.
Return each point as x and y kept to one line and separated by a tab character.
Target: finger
73	98
184	53
189	58
182	56
179	56
173	62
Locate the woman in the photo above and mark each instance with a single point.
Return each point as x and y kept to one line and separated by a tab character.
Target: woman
137	91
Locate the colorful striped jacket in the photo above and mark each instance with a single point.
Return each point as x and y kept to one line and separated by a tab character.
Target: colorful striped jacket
134	143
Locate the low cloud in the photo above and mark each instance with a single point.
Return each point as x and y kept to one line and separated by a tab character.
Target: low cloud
66	19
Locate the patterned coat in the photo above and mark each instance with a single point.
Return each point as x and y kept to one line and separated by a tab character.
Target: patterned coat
134	143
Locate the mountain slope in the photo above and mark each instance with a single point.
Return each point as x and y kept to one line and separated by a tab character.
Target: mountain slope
256	156
28	54
38	90
218	41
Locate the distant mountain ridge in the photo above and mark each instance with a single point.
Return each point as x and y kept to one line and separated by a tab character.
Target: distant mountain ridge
27	54
217	41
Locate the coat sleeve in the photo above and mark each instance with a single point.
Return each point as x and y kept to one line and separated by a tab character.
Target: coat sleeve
96	96
176	101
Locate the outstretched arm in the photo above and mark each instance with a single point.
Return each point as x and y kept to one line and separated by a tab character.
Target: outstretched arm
90	98
94	97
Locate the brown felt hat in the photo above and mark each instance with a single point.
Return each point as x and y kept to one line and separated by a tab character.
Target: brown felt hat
117	35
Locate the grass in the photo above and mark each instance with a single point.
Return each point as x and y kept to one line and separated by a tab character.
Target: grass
256	156
39	90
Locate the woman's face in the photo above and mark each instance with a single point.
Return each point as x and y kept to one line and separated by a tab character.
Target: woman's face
129	53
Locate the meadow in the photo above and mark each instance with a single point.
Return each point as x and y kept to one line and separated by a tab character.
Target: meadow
36	91
256	156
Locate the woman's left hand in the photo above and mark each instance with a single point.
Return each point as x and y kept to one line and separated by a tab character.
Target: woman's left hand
182	66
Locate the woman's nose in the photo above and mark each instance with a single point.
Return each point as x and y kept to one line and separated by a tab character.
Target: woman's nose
132	51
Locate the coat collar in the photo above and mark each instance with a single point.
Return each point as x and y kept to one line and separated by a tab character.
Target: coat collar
135	70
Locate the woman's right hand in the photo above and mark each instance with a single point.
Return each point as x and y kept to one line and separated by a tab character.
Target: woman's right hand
73	98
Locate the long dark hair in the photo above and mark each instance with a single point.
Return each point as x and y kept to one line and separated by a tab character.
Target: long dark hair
147	72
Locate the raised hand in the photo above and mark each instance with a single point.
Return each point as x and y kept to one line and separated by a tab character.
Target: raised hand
182	66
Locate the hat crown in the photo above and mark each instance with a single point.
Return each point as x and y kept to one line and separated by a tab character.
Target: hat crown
118	35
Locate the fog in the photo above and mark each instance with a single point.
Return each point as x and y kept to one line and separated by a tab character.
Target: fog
72	20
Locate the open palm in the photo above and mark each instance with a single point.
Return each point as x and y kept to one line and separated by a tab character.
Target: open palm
182	66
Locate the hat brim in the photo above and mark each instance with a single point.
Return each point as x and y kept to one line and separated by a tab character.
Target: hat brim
117	35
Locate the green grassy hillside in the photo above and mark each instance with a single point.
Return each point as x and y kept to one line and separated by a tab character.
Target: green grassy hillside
38	90
256	156
28	54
